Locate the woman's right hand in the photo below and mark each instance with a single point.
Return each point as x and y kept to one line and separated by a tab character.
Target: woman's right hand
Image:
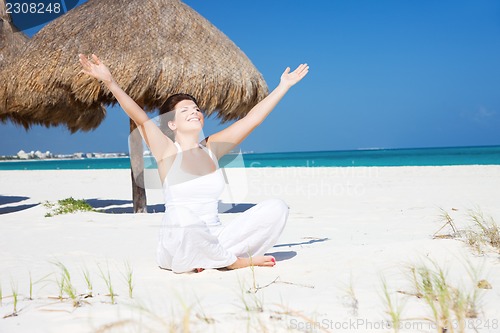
95	68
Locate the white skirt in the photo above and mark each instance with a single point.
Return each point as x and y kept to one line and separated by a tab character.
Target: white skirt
186	242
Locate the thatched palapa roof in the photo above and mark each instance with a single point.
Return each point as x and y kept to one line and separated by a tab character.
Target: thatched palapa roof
154	48
11	40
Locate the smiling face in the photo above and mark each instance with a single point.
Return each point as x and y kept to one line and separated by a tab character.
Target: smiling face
188	117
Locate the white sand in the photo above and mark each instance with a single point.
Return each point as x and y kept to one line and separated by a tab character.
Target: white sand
347	227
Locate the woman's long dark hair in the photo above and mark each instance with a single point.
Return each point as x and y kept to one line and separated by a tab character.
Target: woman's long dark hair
172	101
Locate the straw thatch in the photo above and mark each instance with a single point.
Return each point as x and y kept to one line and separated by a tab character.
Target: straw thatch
11	40
154	48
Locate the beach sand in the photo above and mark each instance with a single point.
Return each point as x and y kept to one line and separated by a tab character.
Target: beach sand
348	229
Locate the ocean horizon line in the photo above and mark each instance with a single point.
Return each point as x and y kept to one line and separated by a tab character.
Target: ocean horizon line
127	155
432	156
379	148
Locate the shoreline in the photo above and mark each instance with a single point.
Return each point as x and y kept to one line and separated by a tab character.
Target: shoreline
489	155
357	149
62	159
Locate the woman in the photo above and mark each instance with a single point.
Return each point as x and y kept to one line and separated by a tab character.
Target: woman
192	237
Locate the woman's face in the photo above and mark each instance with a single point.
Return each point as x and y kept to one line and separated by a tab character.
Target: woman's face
187	116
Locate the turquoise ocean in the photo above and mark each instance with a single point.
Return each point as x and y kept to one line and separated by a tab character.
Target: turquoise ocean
489	155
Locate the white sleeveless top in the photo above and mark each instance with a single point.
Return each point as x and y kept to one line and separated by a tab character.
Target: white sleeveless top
199	194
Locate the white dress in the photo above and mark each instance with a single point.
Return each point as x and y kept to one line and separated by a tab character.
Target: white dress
191	235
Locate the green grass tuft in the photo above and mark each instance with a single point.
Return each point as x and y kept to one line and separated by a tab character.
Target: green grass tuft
128	276
107	280
486	231
31	288
15	296
483	234
67	206
66	286
88	282
393	307
450	305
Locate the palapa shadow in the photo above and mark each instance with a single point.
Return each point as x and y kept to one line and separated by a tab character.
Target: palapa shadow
309	242
281	256
13	209
103	206
226	207
285	255
9	199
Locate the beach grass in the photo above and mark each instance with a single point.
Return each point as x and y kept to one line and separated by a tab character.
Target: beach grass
88	282
128	275
249	299
449	305
447	221
67	206
33	283
66	286
394	307
31	287
254	281
186	317
106	277
60	287
482	234
251	302
486	230
350	299
70	290
15	297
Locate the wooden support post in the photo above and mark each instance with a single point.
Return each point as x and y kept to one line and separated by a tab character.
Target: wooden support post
137	163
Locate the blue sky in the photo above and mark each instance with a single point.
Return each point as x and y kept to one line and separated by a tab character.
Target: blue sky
383	74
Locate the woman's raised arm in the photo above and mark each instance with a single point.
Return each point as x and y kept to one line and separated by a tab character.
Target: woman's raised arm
222	142
157	142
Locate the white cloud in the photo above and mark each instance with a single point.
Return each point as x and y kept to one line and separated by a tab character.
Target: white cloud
480	115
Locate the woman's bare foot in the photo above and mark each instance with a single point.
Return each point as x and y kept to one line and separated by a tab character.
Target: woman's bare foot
264	261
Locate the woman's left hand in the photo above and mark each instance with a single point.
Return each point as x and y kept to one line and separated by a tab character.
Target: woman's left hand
95	68
289	79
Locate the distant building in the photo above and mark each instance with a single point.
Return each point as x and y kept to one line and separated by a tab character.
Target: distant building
39	154
22	155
